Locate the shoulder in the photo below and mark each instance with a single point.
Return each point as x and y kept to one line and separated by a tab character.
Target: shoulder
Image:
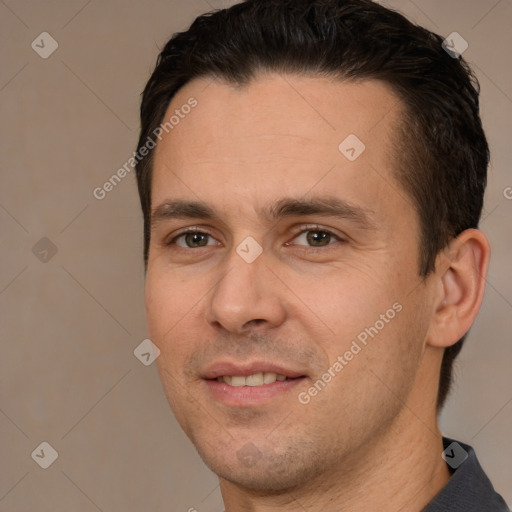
469	489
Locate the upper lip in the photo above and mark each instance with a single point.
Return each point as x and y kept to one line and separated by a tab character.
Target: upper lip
244	369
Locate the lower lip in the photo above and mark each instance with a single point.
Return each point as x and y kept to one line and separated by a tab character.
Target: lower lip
239	396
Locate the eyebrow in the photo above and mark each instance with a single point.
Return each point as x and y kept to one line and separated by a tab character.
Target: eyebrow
286	207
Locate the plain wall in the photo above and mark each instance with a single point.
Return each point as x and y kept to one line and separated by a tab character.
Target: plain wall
69	325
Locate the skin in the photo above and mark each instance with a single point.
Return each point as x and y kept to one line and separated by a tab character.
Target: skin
369	440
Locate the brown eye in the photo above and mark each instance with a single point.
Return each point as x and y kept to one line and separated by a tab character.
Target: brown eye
196	239
316	238
192	240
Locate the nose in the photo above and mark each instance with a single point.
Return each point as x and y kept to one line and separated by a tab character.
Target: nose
247	295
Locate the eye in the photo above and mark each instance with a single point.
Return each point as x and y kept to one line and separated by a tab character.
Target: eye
312	236
316	237
192	239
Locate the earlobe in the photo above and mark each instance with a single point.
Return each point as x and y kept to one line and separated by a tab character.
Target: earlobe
461	274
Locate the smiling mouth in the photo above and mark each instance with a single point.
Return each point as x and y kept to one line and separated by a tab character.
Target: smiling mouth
256	379
251	390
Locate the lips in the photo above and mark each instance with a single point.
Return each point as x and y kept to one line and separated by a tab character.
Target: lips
229	368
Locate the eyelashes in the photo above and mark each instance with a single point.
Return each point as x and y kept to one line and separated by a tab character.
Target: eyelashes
322	236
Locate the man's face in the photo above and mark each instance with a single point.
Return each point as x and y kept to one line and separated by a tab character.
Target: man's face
320	284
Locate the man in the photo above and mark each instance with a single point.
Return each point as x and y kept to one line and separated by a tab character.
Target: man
311	175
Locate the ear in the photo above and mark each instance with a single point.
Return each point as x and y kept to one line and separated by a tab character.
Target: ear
460	277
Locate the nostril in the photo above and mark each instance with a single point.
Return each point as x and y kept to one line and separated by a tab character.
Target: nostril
256	321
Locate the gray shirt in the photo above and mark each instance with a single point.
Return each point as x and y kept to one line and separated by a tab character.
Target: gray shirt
469	489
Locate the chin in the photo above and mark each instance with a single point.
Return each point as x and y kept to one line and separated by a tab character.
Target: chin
259	471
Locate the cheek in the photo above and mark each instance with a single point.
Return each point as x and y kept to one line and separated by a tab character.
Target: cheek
160	308
169	318
379	363
346	302
169	305
372	322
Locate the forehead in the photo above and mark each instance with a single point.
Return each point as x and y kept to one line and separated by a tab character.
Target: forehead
279	135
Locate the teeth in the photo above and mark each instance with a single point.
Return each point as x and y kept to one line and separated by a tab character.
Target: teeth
237	381
257	379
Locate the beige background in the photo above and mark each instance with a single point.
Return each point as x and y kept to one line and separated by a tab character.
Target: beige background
69	326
